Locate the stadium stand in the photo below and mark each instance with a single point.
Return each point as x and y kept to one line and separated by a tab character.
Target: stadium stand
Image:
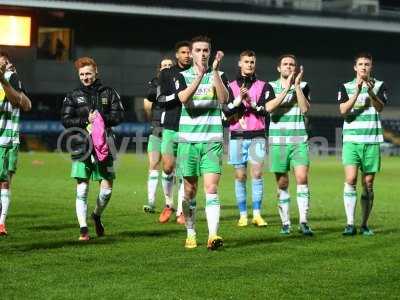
128	60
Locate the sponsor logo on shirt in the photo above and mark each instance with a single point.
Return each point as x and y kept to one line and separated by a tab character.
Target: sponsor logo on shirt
362	101
204	91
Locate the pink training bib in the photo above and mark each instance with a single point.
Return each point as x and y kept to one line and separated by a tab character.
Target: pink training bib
99	138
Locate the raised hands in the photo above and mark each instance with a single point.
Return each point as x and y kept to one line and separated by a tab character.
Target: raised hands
299	76
359	84
201	68
92	115
242	96
289	81
243	93
370	84
217	61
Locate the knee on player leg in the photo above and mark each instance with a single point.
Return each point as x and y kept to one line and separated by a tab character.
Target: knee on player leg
211	188
168	164
240	175
283	182
190	190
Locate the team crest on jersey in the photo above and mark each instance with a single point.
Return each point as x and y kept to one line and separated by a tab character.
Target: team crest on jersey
104	101
177	84
80	100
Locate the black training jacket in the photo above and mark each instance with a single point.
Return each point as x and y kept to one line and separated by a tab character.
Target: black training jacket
169	97
75	112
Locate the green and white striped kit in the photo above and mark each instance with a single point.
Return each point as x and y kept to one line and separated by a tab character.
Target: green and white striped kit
287	121
9	119
200	120
362	124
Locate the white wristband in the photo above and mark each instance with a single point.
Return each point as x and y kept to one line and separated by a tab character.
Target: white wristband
237	101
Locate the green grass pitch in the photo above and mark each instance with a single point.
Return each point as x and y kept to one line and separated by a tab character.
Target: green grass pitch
141	259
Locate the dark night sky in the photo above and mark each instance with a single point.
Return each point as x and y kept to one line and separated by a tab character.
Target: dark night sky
393	3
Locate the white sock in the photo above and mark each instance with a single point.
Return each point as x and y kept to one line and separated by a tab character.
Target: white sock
303	196
189	211
168	184
350	200
5	196
284	205
212	213
152	182
102	200
181	194
82	190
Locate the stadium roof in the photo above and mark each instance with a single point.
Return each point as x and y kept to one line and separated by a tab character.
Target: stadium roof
200	10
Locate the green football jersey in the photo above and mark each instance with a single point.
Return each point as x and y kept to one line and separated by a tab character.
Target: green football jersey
287	124
9	115
200	120
362	124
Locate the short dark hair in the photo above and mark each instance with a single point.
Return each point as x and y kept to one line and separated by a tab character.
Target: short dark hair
286	55
362	55
181	44
200	38
4	54
249	53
